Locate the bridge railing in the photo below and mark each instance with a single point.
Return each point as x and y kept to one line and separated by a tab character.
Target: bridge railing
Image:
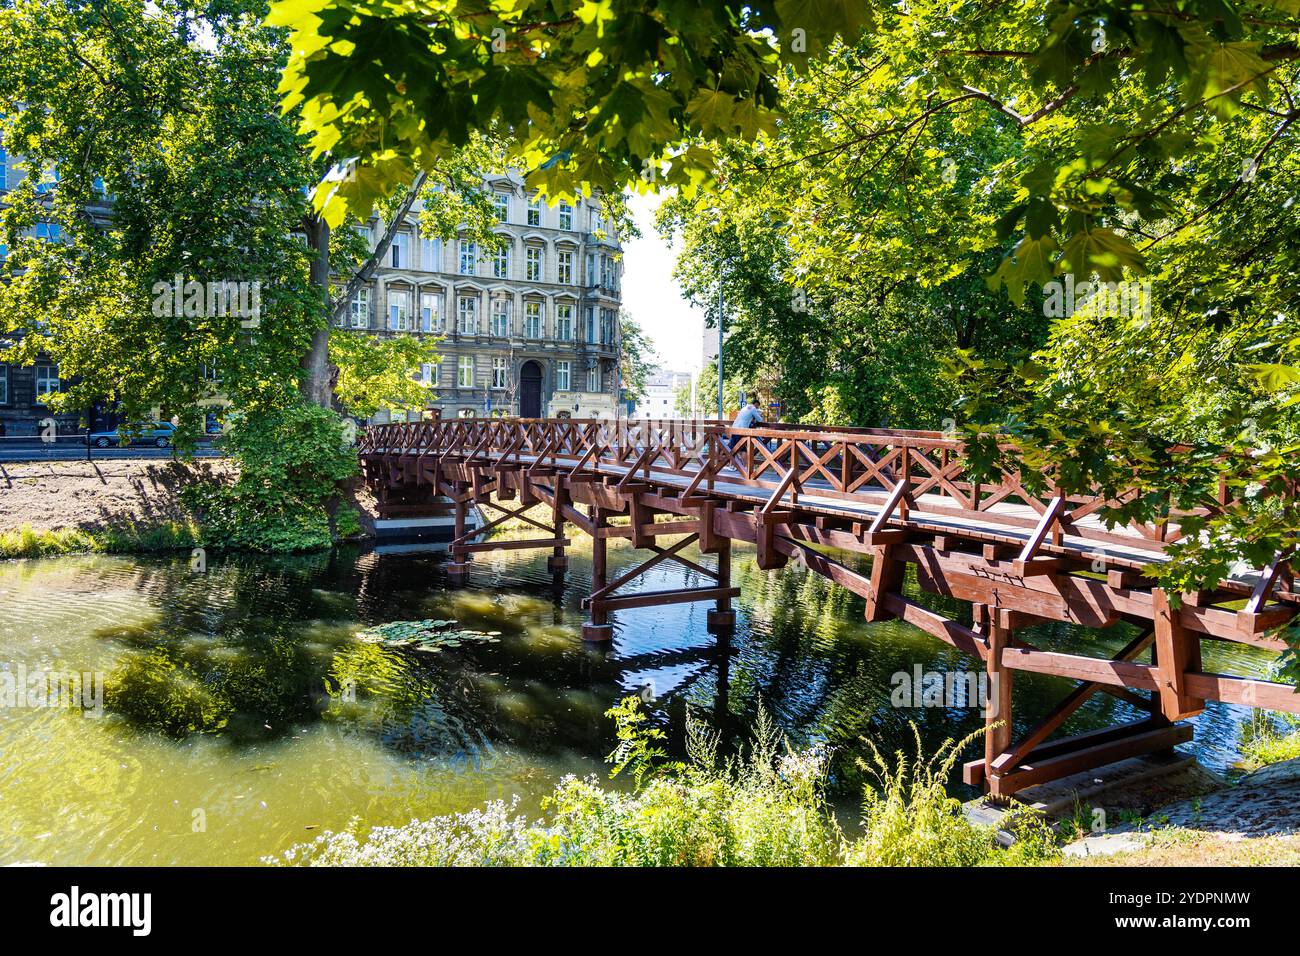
898	470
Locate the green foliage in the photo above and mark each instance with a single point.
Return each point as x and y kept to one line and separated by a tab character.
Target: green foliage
911	821
26	542
768	809
1268	739
377	373
582	94
640	743
291	460
186	144
636	355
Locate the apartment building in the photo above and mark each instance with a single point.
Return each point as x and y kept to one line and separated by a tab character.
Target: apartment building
659	399
529	330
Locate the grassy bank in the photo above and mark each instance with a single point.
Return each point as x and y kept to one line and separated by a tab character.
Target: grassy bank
765	809
28	542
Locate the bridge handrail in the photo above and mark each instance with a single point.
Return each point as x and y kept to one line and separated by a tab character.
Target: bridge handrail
864	464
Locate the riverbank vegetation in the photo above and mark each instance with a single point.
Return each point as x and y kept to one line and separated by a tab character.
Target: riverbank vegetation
28	542
766	807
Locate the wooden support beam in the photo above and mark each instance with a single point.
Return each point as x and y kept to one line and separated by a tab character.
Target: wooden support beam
887	572
1012	756
1177	651
656	598
1141	737
511	544
997	708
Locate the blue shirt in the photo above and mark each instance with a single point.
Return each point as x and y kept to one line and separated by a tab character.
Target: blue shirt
748	417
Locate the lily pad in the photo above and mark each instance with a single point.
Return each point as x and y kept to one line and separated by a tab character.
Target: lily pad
429	635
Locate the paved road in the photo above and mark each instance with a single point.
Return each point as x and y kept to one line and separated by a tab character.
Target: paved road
35	451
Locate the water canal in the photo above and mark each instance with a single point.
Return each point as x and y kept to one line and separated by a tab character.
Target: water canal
224	739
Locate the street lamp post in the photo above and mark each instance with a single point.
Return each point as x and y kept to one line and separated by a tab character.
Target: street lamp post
722	412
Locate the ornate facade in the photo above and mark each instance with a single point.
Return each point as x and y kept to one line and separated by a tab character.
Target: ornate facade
531	330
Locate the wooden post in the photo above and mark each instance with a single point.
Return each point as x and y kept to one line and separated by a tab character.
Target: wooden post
886	577
598	629
722	617
1176	653
997	716
557	562
458	567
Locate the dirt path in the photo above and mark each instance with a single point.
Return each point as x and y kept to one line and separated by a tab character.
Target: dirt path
50	496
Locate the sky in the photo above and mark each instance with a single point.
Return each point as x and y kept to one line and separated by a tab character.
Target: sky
653	297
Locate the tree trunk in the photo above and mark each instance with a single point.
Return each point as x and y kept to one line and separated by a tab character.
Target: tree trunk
317	378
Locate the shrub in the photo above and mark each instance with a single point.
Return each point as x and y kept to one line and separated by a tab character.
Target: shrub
912	821
291	460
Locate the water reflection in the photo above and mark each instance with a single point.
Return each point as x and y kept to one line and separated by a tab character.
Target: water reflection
243	693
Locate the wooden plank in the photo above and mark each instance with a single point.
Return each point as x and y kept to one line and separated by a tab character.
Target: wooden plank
515	545
1078	667
997	717
1045	523
950	632
1012	756
656	598
1089	758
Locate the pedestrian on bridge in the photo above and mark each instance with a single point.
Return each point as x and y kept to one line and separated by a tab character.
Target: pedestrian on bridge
749	416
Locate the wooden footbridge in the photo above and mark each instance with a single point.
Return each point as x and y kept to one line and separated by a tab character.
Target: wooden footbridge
900	497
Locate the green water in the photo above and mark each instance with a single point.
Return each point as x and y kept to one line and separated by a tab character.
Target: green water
224	736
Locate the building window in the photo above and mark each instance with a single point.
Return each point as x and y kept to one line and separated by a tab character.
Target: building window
562	376
534	273
466	413
607	326
430	312
499	369
4	381
465	371
535	211
399	311
589	331
399	256
564	323
533	320
593	378
566	215
502	203
467	319
564	268
501	262
501	316
360	309
591	268
428	373
431	255
47	380
468	257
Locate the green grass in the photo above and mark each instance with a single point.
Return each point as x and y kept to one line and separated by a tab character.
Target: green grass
766	809
1264	742
27	542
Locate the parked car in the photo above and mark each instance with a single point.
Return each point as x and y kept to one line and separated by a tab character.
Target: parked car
158	434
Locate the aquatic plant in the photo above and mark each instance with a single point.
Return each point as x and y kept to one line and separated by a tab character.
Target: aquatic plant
427	635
